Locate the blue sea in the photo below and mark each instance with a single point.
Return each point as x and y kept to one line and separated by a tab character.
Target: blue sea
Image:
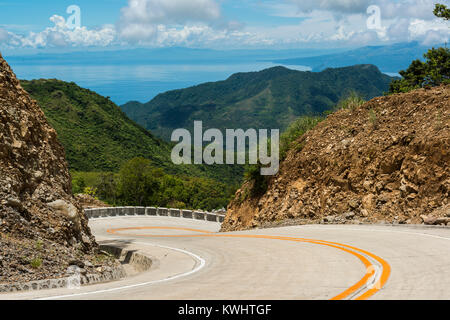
136	82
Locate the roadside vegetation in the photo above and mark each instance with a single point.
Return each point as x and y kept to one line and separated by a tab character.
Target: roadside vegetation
289	139
138	183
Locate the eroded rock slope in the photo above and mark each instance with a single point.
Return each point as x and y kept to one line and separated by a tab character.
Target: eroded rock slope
42	226
387	161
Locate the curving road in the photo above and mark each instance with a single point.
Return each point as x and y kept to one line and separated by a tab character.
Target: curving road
193	261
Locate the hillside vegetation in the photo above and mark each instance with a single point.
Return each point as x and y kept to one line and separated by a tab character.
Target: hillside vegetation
114	159
433	72
98	136
272	98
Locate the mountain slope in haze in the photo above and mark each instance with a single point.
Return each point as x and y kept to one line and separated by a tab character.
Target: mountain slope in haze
390	59
271	98
98	136
386	161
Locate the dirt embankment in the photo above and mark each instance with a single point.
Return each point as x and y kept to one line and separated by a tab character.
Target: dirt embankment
387	161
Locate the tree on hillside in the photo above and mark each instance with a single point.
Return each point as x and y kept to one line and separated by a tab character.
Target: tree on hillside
433	72
138	182
442	11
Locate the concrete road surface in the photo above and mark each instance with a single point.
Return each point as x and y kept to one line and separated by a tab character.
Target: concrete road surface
192	261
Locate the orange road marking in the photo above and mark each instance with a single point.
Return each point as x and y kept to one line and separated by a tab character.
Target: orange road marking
113	231
346	248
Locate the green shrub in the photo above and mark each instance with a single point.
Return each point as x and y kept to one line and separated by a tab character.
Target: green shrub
39	245
288	141
259	182
294	132
351	102
442	11
373	119
36	263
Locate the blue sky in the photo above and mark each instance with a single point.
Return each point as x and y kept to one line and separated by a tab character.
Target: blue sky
34	16
218	24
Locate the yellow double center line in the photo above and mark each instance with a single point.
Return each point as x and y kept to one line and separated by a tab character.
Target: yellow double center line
359	253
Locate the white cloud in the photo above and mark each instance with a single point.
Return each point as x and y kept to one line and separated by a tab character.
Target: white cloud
61	36
422	9
344	21
145	22
399	29
200	23
335	6
170	11
156	21
411	9
4	35
430	32
198	35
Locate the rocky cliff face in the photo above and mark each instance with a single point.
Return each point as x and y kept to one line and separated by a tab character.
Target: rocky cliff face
36	203
387	161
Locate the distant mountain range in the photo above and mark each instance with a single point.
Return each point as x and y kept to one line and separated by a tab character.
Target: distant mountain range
389	59
271	98
171	55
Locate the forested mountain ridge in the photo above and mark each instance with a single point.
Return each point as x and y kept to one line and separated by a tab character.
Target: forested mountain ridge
271	98
96	134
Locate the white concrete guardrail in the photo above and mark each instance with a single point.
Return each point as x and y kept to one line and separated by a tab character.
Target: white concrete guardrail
153	211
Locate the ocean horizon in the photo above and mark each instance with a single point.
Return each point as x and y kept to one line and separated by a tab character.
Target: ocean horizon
124	83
